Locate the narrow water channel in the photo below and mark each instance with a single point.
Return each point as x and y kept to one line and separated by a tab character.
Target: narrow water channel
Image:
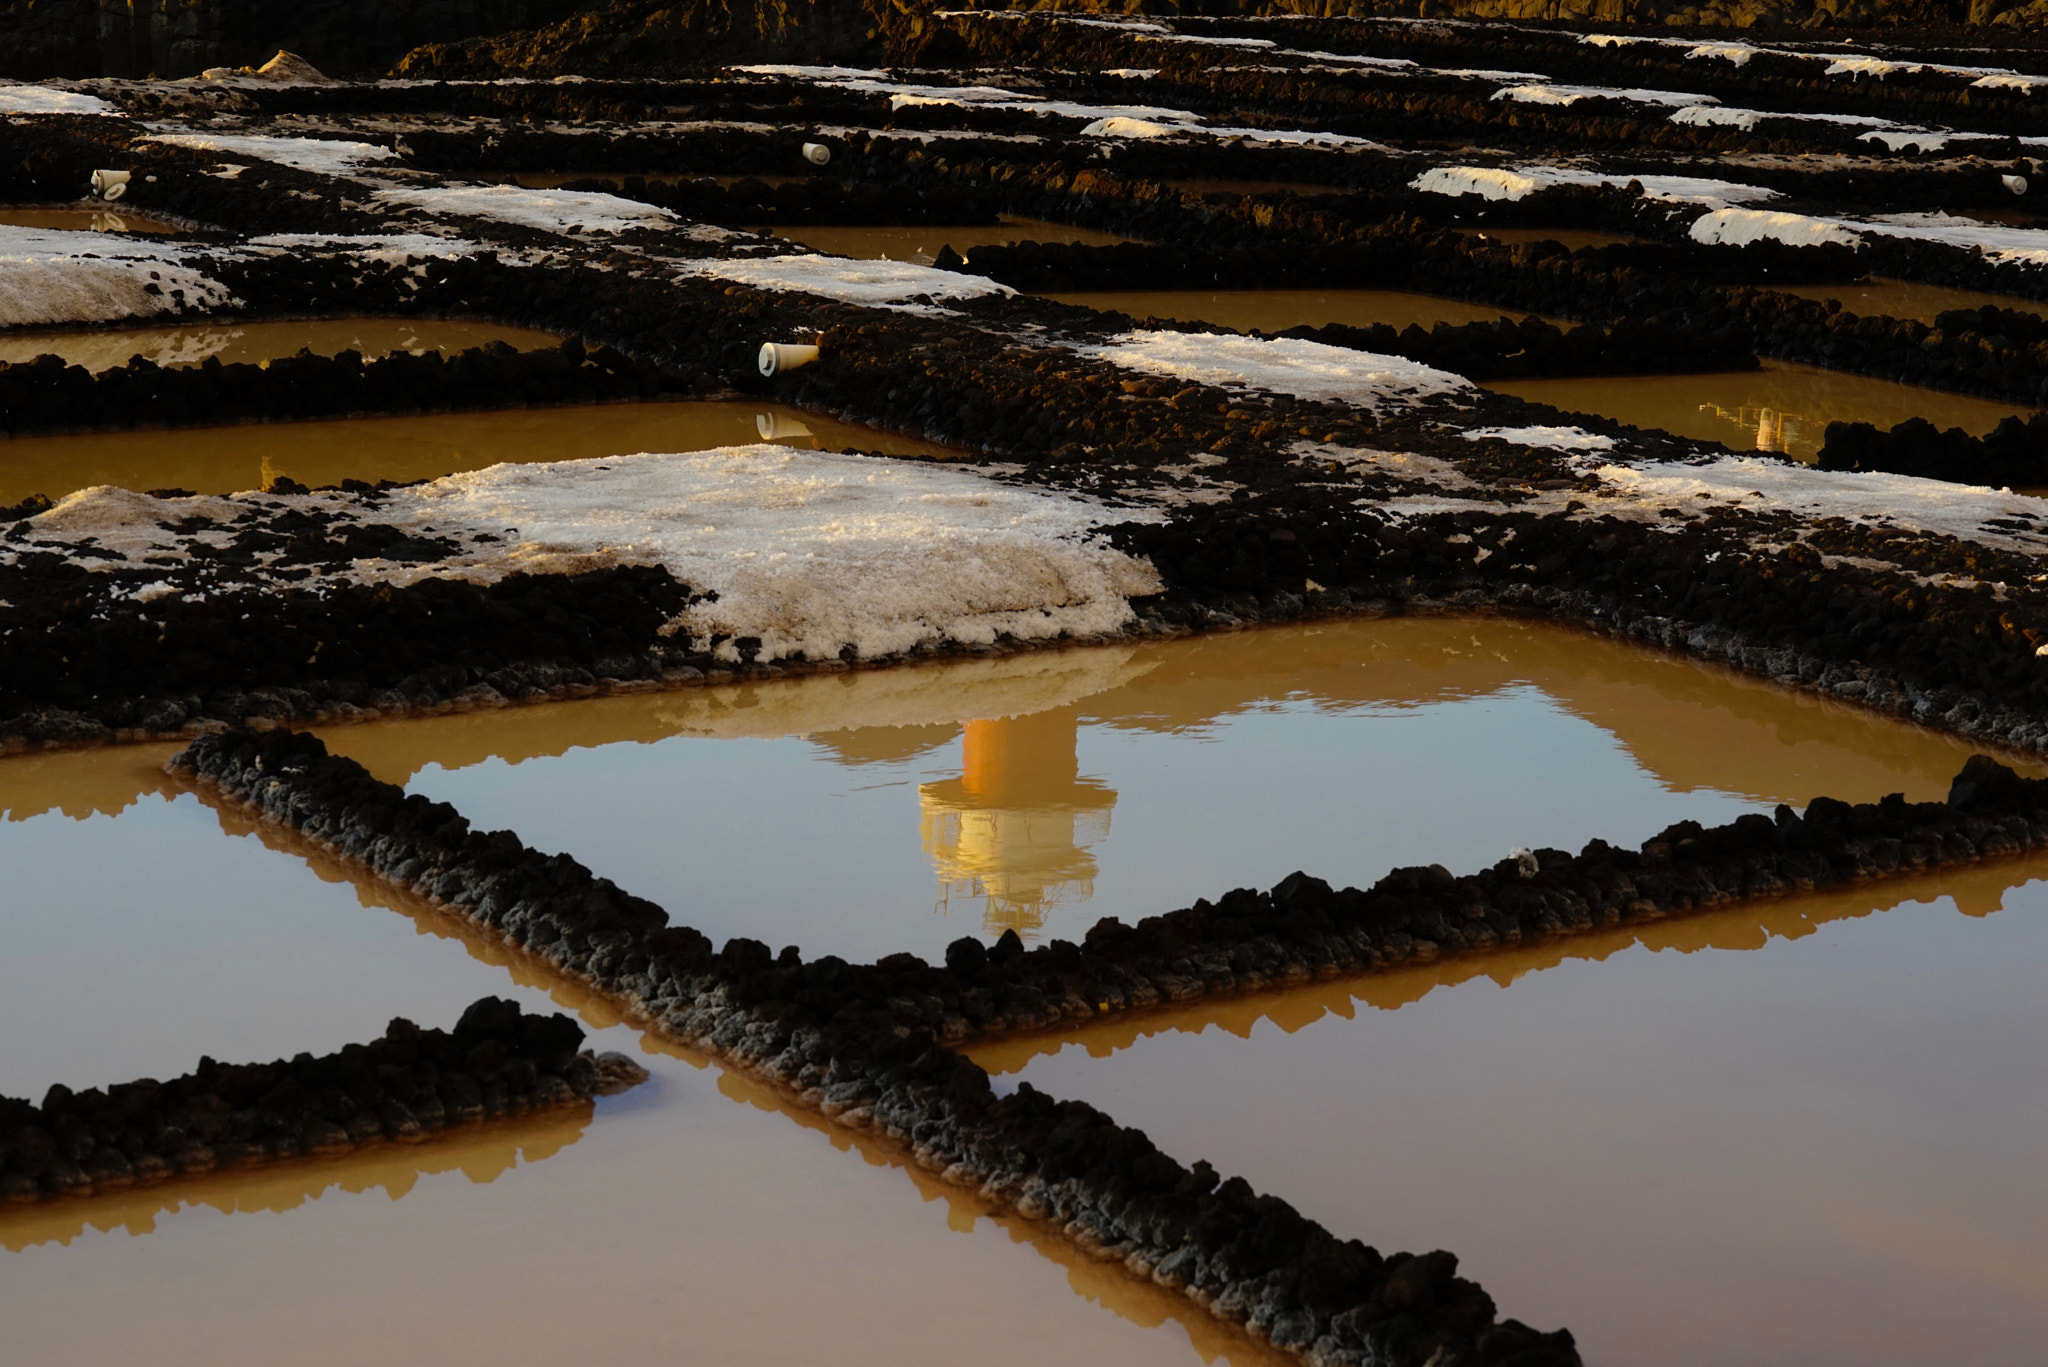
1793	1133
1880	298
220	460
1780	407
1278	310
259	343
1042	792
922	244
696	1209
91	218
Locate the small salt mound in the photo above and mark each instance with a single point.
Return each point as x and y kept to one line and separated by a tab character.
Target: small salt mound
554	211
1550	93
1129	128
393	248
1489	182
1735	227
811	551
1281	365
327	156
51	276
1560	438
852	282
42	99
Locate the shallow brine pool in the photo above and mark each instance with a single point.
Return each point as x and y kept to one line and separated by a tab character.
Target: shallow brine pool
88	218
694	1218
1278	310
259	343
219	460
865	813
1806	1132
1780	407
922	244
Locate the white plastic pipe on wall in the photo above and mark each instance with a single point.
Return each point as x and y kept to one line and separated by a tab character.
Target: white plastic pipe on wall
777	357
110	184
817	153
2016	184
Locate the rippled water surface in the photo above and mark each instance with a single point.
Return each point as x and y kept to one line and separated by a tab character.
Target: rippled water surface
1781	407
238	343
1808	1132
866	813
218	460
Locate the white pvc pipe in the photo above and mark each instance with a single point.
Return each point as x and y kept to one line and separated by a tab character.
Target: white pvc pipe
110	184
817	153
2016	184
777	357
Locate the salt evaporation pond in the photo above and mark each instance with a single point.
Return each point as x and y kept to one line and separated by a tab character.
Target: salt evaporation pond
146	929
1880	298
259	343
219	460
922	244
103	218
1789	1133
1779	407
866	813
1278	310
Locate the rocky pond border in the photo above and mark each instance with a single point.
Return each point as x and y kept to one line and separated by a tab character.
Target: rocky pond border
872	1045
408	1086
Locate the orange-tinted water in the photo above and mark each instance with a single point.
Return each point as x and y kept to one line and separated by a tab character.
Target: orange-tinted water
697	1216
1781	407
210	460
1278	310
105	218
239	343
1907	299
1807	1132
1045	791
923	244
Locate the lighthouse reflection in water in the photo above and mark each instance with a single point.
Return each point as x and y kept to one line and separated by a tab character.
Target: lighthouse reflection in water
1017	830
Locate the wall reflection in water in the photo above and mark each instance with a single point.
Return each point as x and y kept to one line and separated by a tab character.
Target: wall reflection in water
1015	831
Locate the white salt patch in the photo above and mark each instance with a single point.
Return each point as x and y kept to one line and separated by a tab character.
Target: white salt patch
811	551
814	73
1737	54
851	282
1561	438
1925	139
42	99
389	247
1129	128
1490	182
1725	116
1735	227
1928	505
1547	93
554	211
1280	365
327	156
1133	73
50	276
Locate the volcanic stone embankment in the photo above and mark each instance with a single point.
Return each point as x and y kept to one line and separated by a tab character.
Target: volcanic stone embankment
407	1087
869	1044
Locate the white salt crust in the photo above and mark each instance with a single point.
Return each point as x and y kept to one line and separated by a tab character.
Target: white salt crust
885	284
52	276
1737	226
1279	365
553	211
22	98
1492	182
326	156
1560	438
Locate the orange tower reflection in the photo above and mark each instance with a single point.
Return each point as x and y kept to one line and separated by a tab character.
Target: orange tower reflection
1016	829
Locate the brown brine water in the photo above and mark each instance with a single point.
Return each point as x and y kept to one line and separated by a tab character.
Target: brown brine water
1552	1134
89	218
922	244
1042	792
1880	298
1278	310
259	343
219	460
1780	407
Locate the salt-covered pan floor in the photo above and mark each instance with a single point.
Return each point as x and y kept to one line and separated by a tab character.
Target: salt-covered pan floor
922	244
1790	1133
1278	310
1910	299
677	1218
1044	791
1780	407
228	459
257	343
